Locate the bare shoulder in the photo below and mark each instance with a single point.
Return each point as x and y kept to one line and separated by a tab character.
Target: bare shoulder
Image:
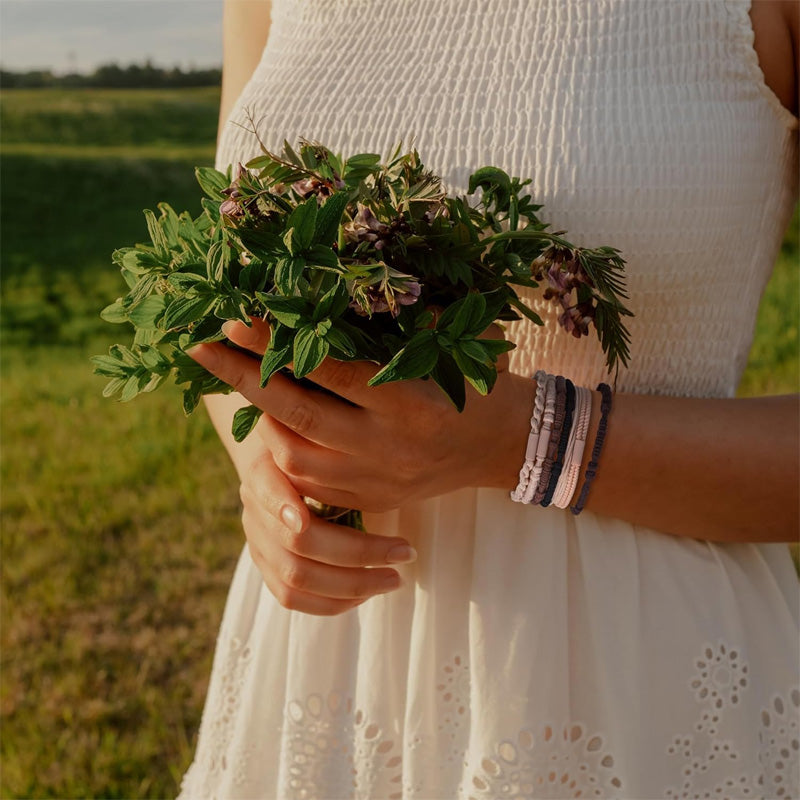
776	24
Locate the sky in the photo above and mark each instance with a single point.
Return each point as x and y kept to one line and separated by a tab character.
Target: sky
79	35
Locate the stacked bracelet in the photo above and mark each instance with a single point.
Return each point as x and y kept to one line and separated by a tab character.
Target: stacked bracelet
544	438
562	445
574	456
533	438
555	439
557	442
591	470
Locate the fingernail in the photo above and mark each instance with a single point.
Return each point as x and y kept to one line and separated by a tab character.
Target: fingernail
228	326
392	582
291	518
401	554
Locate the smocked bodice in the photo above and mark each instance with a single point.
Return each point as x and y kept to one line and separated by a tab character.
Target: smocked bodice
644	124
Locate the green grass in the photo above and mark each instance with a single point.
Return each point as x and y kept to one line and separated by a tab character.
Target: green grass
110	117
120	522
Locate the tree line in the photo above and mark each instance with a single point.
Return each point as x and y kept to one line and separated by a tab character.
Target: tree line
113	76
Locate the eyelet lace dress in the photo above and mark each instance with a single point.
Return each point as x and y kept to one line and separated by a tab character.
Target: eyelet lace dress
532	653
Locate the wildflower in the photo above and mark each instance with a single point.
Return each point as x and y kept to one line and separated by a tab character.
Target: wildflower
305	187
366	227
576	319
385	292
230	207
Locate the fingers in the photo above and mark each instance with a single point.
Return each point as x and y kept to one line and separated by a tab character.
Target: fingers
308	564
254	338
301	574
347	379
269	496
313	415
266	486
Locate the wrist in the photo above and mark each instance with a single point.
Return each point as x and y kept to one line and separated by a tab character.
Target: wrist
511	435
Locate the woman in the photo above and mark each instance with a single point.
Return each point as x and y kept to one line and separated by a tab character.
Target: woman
470	646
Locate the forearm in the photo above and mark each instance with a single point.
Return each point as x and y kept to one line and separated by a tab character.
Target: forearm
245	27
722	470
245	30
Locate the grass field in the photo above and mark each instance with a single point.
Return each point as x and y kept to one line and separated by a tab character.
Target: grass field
120	522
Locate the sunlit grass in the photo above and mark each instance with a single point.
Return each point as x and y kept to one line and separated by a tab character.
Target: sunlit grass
120	522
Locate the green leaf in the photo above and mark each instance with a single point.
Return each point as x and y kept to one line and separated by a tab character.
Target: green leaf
326	228
333	303
219	257
496	186
288	272
114	313
191	397
462	315
244	420
153	383
340	341
481	376
170	224
495	347
309	351
496	301
184	310
156	234
212	182
109	366
290	242
415	360
474	350
114	386
138	261
153	359
147	313
211	208
322	255
523	309
278	353
145	286
360	166
183	281
131	388
513	213
124	355
450	380
289	311
470	311
302	222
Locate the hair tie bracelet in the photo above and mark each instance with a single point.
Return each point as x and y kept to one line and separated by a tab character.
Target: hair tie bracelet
566	462
566	431
591	470
555	439
544	438
533	437
572	461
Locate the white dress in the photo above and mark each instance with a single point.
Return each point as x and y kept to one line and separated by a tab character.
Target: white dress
532	653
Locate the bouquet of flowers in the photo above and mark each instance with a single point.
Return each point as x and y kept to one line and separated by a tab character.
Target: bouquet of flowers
351	259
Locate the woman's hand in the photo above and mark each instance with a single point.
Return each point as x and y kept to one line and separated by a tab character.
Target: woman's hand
308	564
376	448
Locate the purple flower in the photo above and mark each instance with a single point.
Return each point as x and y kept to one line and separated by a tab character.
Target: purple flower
365	227
410	295
385	291
230	208
576	319
305	187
